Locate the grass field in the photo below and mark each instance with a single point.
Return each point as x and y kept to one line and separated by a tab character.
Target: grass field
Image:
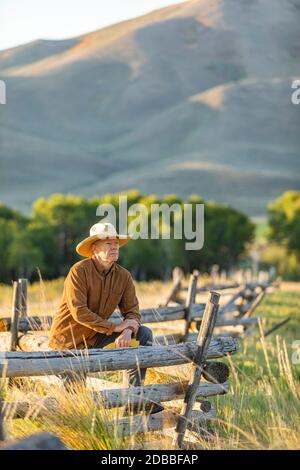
260	412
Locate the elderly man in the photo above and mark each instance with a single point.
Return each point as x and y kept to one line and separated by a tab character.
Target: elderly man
93	289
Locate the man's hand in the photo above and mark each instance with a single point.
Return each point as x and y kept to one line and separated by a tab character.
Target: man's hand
123	340
122	326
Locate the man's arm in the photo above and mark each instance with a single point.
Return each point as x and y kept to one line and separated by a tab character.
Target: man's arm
129	304
76	295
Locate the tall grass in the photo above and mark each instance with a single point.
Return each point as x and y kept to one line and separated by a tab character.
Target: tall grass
261	410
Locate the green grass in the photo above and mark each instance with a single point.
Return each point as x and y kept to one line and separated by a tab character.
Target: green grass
260	412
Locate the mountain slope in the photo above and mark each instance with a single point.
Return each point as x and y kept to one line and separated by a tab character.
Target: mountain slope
192	98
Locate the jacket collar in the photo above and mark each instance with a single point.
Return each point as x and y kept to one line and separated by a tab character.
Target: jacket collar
100	270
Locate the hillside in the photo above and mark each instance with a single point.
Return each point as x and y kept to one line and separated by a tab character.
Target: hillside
192	98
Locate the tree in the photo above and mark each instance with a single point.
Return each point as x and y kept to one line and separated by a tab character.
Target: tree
6	213
69	218
11	223
284	221
227	233
7	230
23	256
48	239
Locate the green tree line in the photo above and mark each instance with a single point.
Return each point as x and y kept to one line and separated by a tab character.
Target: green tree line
284	235
47	239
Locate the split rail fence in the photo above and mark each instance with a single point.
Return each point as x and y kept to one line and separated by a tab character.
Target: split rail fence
25	354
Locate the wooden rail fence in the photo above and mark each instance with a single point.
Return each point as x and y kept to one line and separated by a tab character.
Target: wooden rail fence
14	364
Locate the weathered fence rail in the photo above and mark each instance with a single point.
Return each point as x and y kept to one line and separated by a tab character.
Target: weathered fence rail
156	422
149	315
237	311
154	315
24	364
39	361
217	287
115	398
36	341
246	280
21	328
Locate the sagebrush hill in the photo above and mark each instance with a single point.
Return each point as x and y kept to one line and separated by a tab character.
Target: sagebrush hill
192	98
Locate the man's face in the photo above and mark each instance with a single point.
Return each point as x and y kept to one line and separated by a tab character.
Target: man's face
107	250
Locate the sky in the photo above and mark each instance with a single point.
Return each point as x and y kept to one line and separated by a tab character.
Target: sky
23	21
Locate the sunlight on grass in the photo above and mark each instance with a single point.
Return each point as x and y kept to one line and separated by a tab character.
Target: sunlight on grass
261	411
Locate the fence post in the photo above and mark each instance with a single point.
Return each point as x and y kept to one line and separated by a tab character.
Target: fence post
19	309
23	297
255	303
190	301
223	277
177	276
231	302
215	273
203	341
18	303
271	274
15	316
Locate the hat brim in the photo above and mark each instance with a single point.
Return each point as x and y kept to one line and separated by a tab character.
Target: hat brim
84	248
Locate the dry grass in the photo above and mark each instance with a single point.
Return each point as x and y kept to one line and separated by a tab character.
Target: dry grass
260	412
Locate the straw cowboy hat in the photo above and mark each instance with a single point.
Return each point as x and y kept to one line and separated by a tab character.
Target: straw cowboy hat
99	231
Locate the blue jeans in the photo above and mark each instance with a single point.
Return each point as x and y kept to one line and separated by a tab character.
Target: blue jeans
135	376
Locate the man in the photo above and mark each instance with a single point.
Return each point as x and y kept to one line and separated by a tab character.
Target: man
93	289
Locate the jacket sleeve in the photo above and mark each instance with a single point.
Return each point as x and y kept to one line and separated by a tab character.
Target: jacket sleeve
76	295
129	304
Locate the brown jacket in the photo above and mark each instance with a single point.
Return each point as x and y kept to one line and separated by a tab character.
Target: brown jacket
90	297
